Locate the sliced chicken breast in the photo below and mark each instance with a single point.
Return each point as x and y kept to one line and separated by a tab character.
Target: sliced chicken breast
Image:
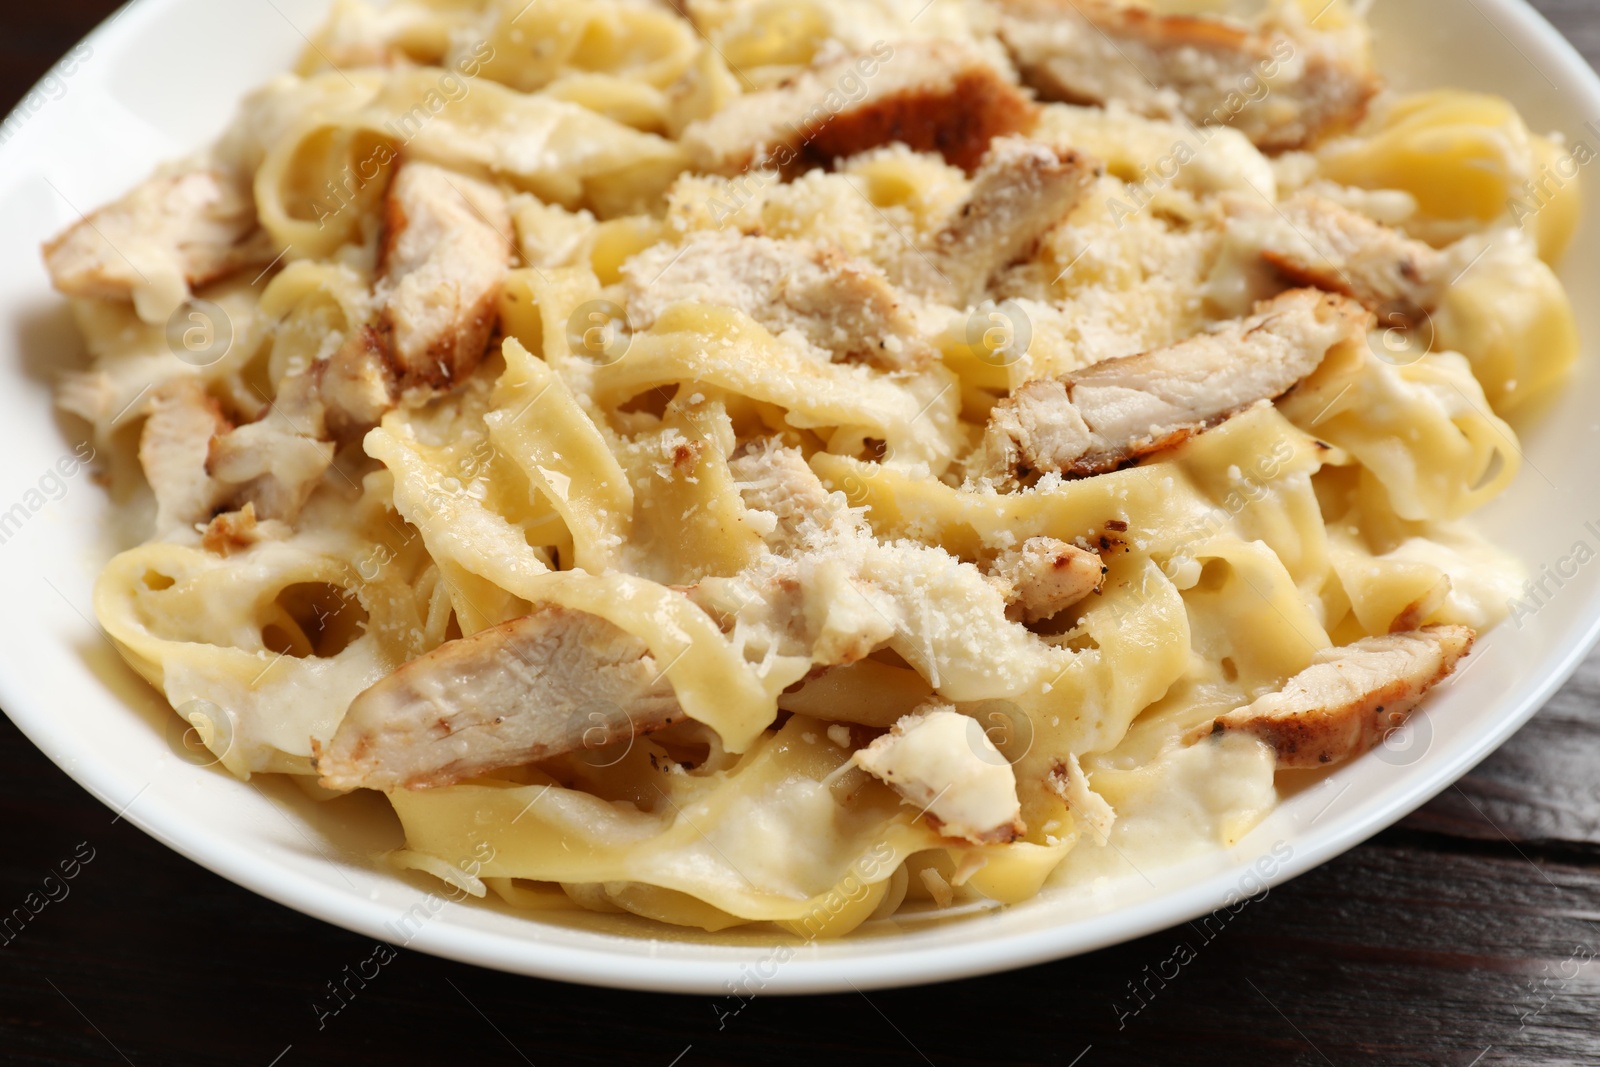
171	235
933	95
174	447
278	461
1022	190
1283	89
844	307
1044	577
1349	698
270	464
1114	412
552	682
942	762
1313	241
779	482
198	462
356	386
445	255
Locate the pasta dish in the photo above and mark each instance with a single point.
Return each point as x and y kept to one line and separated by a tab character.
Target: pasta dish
814	461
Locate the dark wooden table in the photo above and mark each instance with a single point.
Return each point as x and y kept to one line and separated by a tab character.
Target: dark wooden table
1461	937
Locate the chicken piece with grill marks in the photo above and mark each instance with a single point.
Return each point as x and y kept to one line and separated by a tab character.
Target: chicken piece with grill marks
1283	86
1112	413
1350	697
552	682
445	254
1313	241
842	307
1022	190
932	95
168	237
1045	576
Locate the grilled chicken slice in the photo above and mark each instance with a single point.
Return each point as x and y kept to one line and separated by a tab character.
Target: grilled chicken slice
844	307
277	461
1046	576
1313	241
173	450
933	95
807	597
1349	698
1021	191
1204	68
445	254
270	464
444	257
197	461
1116	411
171	235
779	482
356	385
941	761
552	682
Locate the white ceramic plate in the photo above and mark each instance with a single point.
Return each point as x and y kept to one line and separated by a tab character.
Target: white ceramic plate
163	77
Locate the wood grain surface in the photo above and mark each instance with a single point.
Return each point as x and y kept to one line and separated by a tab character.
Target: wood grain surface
1464	936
